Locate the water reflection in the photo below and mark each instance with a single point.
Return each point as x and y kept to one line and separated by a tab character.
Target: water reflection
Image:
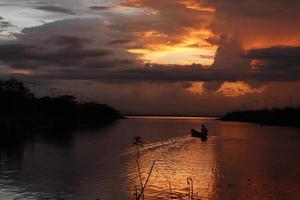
238	161
258	162
176	159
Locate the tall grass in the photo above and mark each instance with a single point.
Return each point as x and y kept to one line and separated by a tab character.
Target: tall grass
139	192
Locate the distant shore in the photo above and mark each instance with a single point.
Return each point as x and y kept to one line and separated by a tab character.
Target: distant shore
273	117
22	111
170	116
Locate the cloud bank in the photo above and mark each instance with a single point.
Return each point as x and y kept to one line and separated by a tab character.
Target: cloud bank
189	49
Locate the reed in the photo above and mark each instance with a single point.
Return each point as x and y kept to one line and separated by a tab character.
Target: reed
139	194
170	190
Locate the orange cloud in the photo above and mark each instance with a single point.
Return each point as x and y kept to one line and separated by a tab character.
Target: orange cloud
196	6
237	89
196	88
170	38
188	48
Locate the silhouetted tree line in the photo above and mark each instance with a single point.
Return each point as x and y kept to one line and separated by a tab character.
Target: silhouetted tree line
20	110
276	117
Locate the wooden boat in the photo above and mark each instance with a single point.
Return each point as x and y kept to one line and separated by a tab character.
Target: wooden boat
195	133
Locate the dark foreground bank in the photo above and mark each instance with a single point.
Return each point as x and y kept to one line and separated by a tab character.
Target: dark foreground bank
273	117
20	110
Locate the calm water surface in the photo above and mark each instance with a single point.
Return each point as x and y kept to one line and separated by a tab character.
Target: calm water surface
238	161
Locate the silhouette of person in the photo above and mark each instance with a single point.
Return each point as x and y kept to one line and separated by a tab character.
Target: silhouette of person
204	130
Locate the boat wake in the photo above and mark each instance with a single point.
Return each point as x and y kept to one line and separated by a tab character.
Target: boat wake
169	143
178	141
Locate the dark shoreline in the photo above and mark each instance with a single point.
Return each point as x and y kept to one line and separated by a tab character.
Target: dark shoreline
195	116
21	111
289	117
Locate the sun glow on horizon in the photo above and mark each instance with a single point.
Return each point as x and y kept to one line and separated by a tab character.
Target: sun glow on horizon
179	55
190	48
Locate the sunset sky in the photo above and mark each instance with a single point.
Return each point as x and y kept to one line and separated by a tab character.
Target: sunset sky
187	57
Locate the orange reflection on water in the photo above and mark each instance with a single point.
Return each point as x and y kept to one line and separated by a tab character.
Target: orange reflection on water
175	160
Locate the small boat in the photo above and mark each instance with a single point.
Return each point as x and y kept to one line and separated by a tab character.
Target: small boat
195	133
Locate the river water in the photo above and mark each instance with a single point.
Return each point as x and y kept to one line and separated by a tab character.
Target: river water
238	161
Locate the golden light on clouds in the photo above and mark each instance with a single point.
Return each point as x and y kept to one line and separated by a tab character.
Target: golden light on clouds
186	49
237	89
176	55
21	71
196	88
196	6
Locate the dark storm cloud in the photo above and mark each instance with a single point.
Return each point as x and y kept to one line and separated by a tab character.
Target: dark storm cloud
104	8
69	53
274	73
286	54
229	55
90	65
96	64
58	9
14	52
119	41
73	41
4	24
99	8
157	73
63	50
278	63
177	73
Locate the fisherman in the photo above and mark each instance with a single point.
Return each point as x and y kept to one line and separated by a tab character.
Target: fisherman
204	130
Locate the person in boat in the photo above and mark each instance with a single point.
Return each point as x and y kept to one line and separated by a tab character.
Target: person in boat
204	130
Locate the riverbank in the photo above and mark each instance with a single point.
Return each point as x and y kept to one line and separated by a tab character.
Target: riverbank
22	111
274	117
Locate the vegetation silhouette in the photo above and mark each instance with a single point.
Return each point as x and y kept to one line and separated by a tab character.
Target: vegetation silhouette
21	110
275	117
